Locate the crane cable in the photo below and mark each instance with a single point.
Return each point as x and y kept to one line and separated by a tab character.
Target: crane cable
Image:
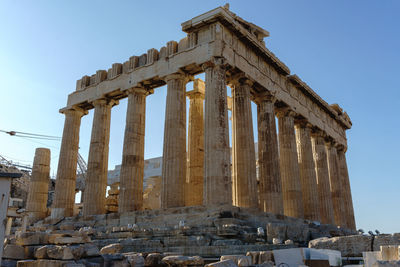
32	135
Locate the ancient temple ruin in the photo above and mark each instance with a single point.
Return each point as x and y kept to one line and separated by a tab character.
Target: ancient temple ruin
302	163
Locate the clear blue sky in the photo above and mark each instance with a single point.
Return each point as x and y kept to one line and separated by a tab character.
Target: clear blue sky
347	51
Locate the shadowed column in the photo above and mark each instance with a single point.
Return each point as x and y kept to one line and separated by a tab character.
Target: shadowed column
217	171
64	198
308	177
335	184
268	157
244	181
344	178
195	177
132	168
322	174
291	186
36	204
174	152
96	177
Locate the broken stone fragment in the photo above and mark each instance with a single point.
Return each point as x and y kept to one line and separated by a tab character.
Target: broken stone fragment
276	241
41	253
181	261
134	259
111	249
224	263
15	252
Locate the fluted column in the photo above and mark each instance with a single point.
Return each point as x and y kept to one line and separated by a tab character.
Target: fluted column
217	171
195	176
322	174
346	189
64	198
96	177
291	186
244	180
335	184
132	169
36	204
308	177
268	157
174	153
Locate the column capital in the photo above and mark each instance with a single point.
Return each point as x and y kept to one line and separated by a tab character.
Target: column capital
265	96
240	79
178	76
218	62
284	112
74	110
302	123
139	90
316	132
105	102
341	148
330	142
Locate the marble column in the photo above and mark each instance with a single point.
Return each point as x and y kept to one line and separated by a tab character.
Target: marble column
335	184
132	169
96	176
217	170
36	204
346	189
64	198
290	173
195	176
268	157
308	177
244	180
322	174
174	153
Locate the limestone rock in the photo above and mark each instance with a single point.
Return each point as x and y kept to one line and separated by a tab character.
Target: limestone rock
153	259
349	246
15	252
183	261
134	259
41	253
239	260
224	263
60	253
90	250
276	241
111	249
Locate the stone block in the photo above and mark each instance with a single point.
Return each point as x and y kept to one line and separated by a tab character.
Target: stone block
292	257
111	249
8	263
239	260
90	250
349	246
60	253
15	252
29	238
333	256
371	257
153	259
390	253
134	259
224	263
181	261
41	253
